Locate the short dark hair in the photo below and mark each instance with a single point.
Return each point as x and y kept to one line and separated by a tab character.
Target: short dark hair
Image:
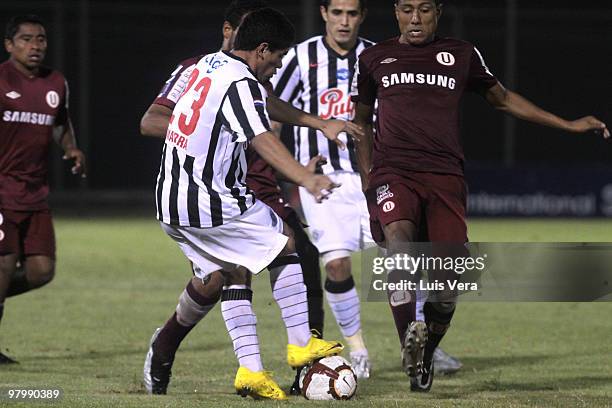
265	25
239	8
363	4
436	2
13	25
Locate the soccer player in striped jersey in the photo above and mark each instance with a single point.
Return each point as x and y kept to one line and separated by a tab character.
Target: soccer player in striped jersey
260	179
413	169
205	205
316	76
34	112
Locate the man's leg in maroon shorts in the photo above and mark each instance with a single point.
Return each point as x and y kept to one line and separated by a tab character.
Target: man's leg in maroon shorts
37	263
402	303
446	225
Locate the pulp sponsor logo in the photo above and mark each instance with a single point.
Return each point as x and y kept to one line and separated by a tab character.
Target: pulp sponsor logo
382	193
53	99
335	104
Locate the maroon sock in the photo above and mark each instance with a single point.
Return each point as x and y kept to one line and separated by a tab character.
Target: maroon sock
403	314
170	338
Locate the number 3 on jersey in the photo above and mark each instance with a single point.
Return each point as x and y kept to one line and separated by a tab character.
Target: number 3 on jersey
187	125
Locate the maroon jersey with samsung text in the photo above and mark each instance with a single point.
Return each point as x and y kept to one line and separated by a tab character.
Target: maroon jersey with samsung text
419	89
29	109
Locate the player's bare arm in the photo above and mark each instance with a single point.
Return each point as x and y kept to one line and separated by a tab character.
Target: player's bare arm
516	105
363	118
274	152
155	121
284	112
64	136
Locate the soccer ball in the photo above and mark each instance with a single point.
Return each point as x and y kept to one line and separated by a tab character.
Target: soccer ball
330	378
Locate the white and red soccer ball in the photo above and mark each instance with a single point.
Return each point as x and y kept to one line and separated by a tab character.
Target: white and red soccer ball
330	378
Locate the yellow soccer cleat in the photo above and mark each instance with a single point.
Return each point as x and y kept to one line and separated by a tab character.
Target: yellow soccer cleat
258	385
316	348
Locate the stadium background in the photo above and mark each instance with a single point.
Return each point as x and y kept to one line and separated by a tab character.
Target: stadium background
116	55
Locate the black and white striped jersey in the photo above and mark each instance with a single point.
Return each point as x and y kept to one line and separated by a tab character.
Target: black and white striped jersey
201	181
316	79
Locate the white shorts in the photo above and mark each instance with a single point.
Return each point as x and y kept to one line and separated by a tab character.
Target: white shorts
341	222
252	240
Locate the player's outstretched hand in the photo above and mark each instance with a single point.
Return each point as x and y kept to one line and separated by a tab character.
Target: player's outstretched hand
590	123
320	186
333	127
79	161
316	162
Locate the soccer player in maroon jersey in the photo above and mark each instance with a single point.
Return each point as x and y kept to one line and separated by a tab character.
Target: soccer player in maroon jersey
412	171
261	179
34	109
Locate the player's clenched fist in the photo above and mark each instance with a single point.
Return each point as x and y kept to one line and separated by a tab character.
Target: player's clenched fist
319	186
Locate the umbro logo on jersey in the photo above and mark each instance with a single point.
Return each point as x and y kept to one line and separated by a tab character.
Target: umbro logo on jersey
388	60
13	95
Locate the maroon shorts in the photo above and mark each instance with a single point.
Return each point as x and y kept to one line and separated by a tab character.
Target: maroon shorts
435	203
27	233
279	206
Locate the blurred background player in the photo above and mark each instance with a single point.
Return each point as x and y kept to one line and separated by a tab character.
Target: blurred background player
261	179
34	109
316	76
417	155
205	206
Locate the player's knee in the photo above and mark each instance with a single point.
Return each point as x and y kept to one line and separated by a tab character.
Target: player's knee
400	231
41	272
8	265
210	287
444	307
239	276
337	265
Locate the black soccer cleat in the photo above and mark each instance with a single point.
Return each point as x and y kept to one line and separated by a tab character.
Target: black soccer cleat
422	382
4	359
157	373
295	388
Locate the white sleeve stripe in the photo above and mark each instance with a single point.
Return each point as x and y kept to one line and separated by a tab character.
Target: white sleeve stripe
482	61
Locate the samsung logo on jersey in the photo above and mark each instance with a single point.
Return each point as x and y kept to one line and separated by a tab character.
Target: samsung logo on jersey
29	117
423	79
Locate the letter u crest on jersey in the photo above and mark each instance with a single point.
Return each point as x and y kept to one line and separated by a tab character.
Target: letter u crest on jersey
52	99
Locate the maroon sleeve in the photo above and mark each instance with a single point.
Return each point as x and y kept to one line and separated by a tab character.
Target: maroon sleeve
363	88
480	79
61	119
175	85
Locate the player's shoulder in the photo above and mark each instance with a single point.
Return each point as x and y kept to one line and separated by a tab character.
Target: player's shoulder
451	42
378	50
366	43
187	62
303	46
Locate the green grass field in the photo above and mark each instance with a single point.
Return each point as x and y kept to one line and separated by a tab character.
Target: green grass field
119	278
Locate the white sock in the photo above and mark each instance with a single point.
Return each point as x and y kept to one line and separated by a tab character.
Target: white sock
241	325
289	292
345	307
